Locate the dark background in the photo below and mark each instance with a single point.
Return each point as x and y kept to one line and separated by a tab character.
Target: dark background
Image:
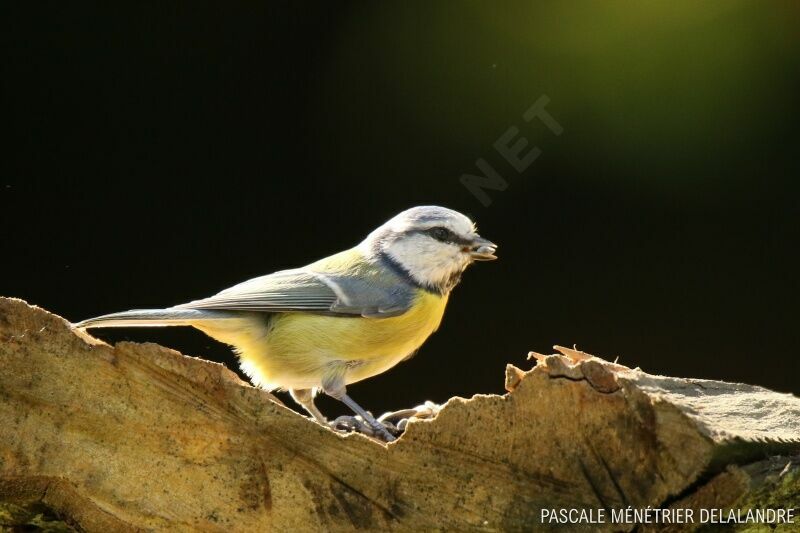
155	155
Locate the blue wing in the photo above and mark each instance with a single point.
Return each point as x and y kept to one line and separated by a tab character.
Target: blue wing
368	291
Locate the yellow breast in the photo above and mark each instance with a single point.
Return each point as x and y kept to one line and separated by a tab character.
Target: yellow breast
299	347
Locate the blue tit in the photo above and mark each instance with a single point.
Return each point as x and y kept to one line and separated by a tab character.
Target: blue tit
342	319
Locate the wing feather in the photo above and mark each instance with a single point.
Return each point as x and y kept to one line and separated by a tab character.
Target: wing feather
288	290
375	295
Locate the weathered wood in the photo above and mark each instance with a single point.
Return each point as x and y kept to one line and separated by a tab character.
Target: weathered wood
137	436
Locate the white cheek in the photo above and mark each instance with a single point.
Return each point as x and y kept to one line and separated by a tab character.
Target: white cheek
428	261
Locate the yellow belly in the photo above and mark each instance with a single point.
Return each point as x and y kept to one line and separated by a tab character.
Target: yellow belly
298	349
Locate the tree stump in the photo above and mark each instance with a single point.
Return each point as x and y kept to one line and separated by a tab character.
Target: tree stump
140	437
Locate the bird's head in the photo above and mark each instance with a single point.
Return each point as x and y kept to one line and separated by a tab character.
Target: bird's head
433	245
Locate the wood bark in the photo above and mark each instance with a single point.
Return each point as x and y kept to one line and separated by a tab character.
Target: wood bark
140	437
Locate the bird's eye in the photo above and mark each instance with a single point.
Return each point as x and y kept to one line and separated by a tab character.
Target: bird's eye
440	234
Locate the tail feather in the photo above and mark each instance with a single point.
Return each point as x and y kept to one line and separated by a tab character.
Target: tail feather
152	318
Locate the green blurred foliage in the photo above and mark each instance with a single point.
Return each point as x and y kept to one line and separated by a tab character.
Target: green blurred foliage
667	86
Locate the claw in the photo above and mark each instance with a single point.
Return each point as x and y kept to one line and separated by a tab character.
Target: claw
424	411
398	420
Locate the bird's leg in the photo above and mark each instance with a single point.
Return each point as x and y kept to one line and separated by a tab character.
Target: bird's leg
305	397
376	426
335	388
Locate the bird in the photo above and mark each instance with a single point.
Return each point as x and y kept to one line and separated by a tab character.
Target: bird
341	319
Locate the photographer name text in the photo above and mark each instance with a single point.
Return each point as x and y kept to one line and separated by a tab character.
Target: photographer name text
650	515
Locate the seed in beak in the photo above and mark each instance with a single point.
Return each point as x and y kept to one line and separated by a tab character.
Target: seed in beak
483	250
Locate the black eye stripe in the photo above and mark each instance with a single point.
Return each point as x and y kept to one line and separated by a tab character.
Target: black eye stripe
445	235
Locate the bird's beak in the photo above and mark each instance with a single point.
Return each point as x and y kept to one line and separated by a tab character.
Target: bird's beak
482	249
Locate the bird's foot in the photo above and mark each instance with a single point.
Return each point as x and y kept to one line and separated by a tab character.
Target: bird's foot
390	425
359	425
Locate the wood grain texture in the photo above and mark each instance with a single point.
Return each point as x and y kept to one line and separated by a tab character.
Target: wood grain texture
139	437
